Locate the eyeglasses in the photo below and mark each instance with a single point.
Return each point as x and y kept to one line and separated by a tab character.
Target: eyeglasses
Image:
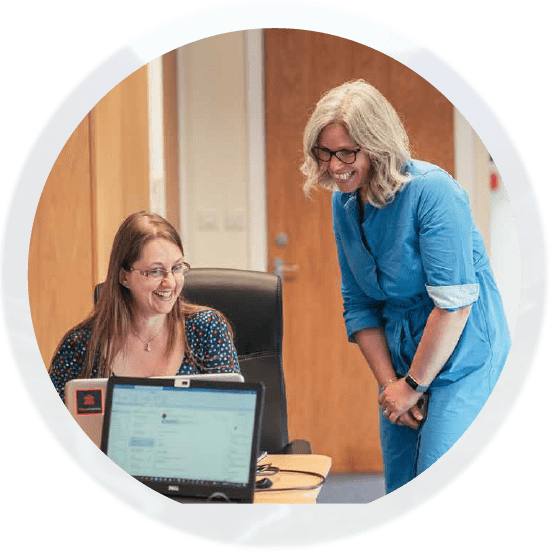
347	156
158	273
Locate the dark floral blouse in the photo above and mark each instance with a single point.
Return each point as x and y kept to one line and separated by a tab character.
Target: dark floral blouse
207	334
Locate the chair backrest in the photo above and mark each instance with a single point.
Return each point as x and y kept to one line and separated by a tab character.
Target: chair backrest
252	302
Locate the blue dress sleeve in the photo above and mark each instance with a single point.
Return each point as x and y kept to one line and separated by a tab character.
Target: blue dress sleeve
446	231
360	311
211	343
69	359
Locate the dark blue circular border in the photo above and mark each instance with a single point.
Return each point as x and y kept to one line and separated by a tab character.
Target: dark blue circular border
250	526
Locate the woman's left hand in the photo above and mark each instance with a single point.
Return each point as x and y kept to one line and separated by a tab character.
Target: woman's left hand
397	398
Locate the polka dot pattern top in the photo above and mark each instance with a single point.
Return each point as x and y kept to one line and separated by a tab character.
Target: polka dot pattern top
210	343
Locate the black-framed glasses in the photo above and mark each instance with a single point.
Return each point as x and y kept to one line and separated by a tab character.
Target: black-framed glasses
347	156
179	270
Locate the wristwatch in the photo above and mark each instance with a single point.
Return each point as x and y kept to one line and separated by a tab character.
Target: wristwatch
414	385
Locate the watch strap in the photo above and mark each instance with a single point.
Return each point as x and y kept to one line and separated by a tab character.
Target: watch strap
415	385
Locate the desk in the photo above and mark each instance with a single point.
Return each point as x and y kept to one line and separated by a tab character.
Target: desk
314	463
318	464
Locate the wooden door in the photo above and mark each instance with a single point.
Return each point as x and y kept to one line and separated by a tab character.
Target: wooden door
331	393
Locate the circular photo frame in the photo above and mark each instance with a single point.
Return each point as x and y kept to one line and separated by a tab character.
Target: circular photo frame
268	526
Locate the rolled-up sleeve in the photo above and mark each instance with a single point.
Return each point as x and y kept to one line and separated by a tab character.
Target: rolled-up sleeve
446	242
360	311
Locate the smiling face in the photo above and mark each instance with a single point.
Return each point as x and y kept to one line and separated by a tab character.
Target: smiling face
154	296
348	177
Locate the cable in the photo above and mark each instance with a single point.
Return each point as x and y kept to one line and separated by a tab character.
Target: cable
270	470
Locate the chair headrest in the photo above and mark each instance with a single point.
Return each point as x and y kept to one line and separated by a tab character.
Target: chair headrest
251	300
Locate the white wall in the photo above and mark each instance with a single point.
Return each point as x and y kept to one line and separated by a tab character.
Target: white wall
492	212
157	175
505	255
214	151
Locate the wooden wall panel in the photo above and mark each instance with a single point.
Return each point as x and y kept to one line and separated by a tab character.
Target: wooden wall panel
101	176
120	154
135	143
107	176
60	254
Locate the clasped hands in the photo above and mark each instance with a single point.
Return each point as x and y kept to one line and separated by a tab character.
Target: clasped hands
399	403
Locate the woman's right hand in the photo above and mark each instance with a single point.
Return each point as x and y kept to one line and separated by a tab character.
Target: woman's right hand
412	418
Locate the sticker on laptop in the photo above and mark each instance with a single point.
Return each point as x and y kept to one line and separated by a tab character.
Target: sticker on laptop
88	402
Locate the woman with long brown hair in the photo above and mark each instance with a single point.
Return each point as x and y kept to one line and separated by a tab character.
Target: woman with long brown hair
141	326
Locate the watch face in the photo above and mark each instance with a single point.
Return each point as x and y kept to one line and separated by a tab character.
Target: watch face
411	382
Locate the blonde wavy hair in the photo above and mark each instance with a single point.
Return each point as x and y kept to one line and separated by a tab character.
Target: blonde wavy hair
374	125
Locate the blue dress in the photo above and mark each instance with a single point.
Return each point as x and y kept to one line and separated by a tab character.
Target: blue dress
207	335
422	249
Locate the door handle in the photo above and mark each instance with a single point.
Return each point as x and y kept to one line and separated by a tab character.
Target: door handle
281	269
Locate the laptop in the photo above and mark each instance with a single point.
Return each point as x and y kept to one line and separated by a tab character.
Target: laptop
85	399
188	439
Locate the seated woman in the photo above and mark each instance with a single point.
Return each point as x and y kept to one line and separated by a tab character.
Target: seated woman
141	326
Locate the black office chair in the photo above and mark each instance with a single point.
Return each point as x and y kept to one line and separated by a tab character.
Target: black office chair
252	302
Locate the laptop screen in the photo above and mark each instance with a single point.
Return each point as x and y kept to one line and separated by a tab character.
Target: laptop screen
191	440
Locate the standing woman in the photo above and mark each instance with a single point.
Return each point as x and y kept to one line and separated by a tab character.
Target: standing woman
419	295
141	326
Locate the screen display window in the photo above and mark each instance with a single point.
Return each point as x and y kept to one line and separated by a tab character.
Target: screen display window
191	434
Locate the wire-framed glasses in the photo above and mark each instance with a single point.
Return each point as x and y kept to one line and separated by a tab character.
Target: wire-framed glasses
156	274
347	156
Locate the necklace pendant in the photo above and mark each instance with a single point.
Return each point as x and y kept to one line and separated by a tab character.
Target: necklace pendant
147	347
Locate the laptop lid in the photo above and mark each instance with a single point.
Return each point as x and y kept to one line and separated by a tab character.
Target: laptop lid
185	438
85	399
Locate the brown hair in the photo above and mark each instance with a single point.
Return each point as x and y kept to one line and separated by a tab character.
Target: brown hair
111	318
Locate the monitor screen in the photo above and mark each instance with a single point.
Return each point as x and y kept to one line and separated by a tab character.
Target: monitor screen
182	434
